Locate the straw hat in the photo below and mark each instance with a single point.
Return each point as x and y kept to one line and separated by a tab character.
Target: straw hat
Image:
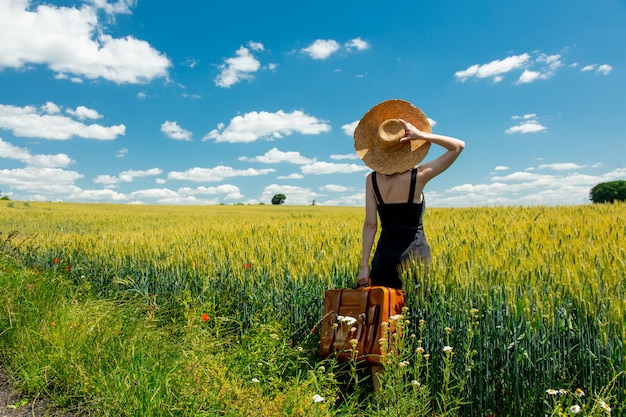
377	137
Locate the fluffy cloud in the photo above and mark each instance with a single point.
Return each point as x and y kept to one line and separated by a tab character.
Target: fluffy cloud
259	125
323	48
493	69
274	156
46	181
604	69
240	67
80	47
46	123
528	125
23	155
173	131
319	168
126	176
534	67
218	173
528	188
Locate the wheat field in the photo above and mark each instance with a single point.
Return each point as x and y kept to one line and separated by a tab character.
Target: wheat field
548	283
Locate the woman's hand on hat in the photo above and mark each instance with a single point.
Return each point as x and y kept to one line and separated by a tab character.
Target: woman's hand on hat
411	131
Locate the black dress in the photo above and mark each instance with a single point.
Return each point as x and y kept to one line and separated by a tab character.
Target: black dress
402	236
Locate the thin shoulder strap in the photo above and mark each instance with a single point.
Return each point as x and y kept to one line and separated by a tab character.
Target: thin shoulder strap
376	190
413	182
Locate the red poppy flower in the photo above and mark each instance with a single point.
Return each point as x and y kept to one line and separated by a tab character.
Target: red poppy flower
248	265
205	317
56	260
68	269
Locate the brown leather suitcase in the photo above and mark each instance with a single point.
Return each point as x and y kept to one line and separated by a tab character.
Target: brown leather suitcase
357	313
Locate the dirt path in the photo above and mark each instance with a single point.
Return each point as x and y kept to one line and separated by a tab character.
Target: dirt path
14	404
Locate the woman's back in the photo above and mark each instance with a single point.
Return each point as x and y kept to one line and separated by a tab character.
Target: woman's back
395	188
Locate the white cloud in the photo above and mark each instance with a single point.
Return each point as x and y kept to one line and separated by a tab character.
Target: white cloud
240	67
258	125
173	131
154	193
318	168
548	63
529	125
357	199
351	156
121	7
79	47
131	175
294	176
322	48
45	181
10	151
218	173
51	108
127	176
527	188
358	44
82	113
29	121
494	68
274	156
349	128
97	195
121	153
256	46
334	188
603	69
529	76
566	166
525	117
542	67
501	168
230	192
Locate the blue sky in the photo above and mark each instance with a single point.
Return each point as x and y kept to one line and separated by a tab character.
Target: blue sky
201	102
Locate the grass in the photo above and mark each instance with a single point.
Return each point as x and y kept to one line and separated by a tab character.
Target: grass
105	308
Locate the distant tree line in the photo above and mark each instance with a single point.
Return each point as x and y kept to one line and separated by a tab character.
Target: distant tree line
608	192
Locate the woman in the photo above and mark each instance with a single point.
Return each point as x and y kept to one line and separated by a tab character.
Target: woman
392	139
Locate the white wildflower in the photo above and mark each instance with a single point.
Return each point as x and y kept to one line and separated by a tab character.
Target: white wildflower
575	409
605	406
349	321
447	349
318	398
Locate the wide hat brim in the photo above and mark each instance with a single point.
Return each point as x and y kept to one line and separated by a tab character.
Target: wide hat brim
390	157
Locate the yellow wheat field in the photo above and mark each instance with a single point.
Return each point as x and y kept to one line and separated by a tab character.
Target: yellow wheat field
549	283
534	253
